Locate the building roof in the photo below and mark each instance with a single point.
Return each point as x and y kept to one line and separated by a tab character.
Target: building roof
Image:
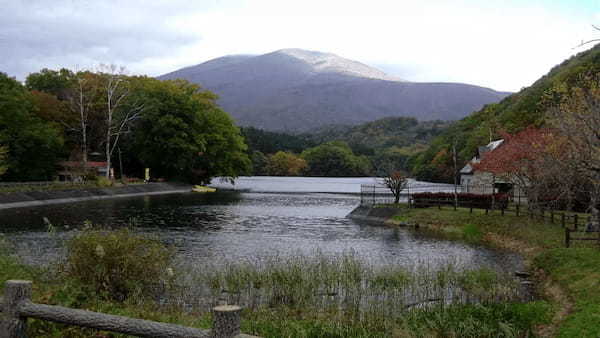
481	150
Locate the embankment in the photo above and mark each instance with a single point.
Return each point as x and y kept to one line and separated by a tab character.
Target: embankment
35	198
567	278
373	214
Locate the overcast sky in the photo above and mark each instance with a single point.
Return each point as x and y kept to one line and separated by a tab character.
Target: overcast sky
504	45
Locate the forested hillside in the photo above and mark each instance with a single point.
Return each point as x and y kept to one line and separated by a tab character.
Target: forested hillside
373	148
512	114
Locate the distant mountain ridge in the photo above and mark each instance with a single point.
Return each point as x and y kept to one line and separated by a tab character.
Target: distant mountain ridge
297	90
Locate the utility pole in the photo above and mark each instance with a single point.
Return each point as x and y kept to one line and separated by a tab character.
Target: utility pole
455	174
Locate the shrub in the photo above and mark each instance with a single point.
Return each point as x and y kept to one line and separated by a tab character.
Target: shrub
118	264
498	200
103	182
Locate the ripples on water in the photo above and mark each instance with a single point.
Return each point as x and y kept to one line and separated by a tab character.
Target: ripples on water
232	226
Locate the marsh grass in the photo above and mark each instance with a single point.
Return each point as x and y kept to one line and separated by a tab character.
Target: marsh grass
344	285
302	295
321	295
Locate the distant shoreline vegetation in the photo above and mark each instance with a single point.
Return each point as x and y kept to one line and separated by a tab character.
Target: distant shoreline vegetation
370	149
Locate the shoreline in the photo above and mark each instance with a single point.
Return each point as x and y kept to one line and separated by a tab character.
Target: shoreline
548	285
40	198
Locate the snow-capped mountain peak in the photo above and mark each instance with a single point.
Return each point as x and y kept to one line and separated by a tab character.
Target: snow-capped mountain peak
331	63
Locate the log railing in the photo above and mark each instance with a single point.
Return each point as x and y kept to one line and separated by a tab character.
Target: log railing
17	307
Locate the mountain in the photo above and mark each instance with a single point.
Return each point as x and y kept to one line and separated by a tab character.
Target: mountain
298	90
512	114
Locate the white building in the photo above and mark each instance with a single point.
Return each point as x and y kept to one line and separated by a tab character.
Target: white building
476	181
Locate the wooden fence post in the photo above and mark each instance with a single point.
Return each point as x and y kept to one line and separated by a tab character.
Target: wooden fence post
563	220
226	321
373	195
15	292
575	220
567	237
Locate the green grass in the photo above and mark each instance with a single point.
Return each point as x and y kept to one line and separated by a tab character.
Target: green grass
575	269
535	232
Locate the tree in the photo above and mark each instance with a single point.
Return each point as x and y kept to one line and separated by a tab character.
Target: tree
259	163
119	108
396	182
52	82
529	160
285	164
81	97
183	134
70	99
34	145
576	114
335	159
3	158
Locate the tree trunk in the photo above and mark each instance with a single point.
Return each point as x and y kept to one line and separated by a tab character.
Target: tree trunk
108	135
83	119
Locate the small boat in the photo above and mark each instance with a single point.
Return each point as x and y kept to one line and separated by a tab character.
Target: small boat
201	188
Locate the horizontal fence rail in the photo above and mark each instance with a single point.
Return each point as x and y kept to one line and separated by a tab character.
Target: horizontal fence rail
379	194
17	307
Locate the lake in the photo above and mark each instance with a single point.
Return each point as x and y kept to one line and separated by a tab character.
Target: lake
263	216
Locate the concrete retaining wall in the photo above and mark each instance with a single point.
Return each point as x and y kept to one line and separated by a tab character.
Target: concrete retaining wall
370	214
34	198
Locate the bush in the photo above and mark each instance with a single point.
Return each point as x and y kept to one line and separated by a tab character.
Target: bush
103	182
118	264
467	200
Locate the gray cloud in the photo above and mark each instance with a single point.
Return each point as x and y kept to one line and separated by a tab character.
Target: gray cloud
63	33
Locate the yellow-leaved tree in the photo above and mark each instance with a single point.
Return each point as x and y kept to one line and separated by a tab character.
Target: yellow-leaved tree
577	115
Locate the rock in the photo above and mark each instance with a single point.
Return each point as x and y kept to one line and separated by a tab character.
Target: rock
522	274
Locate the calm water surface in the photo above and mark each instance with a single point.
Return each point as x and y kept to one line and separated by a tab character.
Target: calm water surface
265	216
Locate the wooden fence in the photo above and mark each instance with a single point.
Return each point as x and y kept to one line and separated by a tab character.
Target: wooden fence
17	307
573	224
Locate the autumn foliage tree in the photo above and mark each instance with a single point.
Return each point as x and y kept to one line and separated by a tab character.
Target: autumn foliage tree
530	159
576	114
285	164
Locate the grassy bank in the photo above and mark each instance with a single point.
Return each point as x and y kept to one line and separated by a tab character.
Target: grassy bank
575	270
283	296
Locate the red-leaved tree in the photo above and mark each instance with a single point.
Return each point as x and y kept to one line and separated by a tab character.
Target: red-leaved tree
531	160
